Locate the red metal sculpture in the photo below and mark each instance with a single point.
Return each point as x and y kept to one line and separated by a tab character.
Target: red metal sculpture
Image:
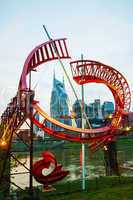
84	71
46	171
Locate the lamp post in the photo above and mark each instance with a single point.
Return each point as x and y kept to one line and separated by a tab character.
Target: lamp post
83	145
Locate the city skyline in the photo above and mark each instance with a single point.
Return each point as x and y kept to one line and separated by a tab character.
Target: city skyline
60	104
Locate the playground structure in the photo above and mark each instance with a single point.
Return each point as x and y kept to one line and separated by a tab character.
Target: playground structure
23	106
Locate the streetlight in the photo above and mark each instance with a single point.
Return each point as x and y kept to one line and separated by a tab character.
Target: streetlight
3	143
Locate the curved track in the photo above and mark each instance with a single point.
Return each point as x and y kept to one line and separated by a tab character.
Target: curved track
89	71
83	72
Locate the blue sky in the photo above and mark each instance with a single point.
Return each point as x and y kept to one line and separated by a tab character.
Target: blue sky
101	30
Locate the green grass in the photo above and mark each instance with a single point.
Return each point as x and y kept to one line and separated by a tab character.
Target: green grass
125	141
123	192
104	188
118	193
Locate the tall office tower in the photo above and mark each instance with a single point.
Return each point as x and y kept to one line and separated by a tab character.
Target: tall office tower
78	111
97	109
107	108
91	112
59	100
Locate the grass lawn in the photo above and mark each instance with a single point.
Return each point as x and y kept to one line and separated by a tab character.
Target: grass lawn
104	188
124	192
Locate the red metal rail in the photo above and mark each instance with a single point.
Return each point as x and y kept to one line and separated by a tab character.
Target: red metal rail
42	54
84	71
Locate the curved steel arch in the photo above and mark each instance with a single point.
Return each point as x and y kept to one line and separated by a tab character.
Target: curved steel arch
41	54
89	71
84	71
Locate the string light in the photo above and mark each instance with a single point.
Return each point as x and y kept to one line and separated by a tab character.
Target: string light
105	148
3	143
127	128
110	116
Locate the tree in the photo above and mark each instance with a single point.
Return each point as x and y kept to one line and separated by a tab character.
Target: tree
110	158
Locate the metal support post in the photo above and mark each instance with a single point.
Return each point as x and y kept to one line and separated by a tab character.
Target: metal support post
31	156
83	145
31	139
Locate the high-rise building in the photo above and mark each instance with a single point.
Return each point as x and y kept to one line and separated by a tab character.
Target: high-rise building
35	128
59	100
91	112
77	108
97	109
107	108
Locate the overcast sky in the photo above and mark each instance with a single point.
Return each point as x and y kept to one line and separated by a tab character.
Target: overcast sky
102	30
